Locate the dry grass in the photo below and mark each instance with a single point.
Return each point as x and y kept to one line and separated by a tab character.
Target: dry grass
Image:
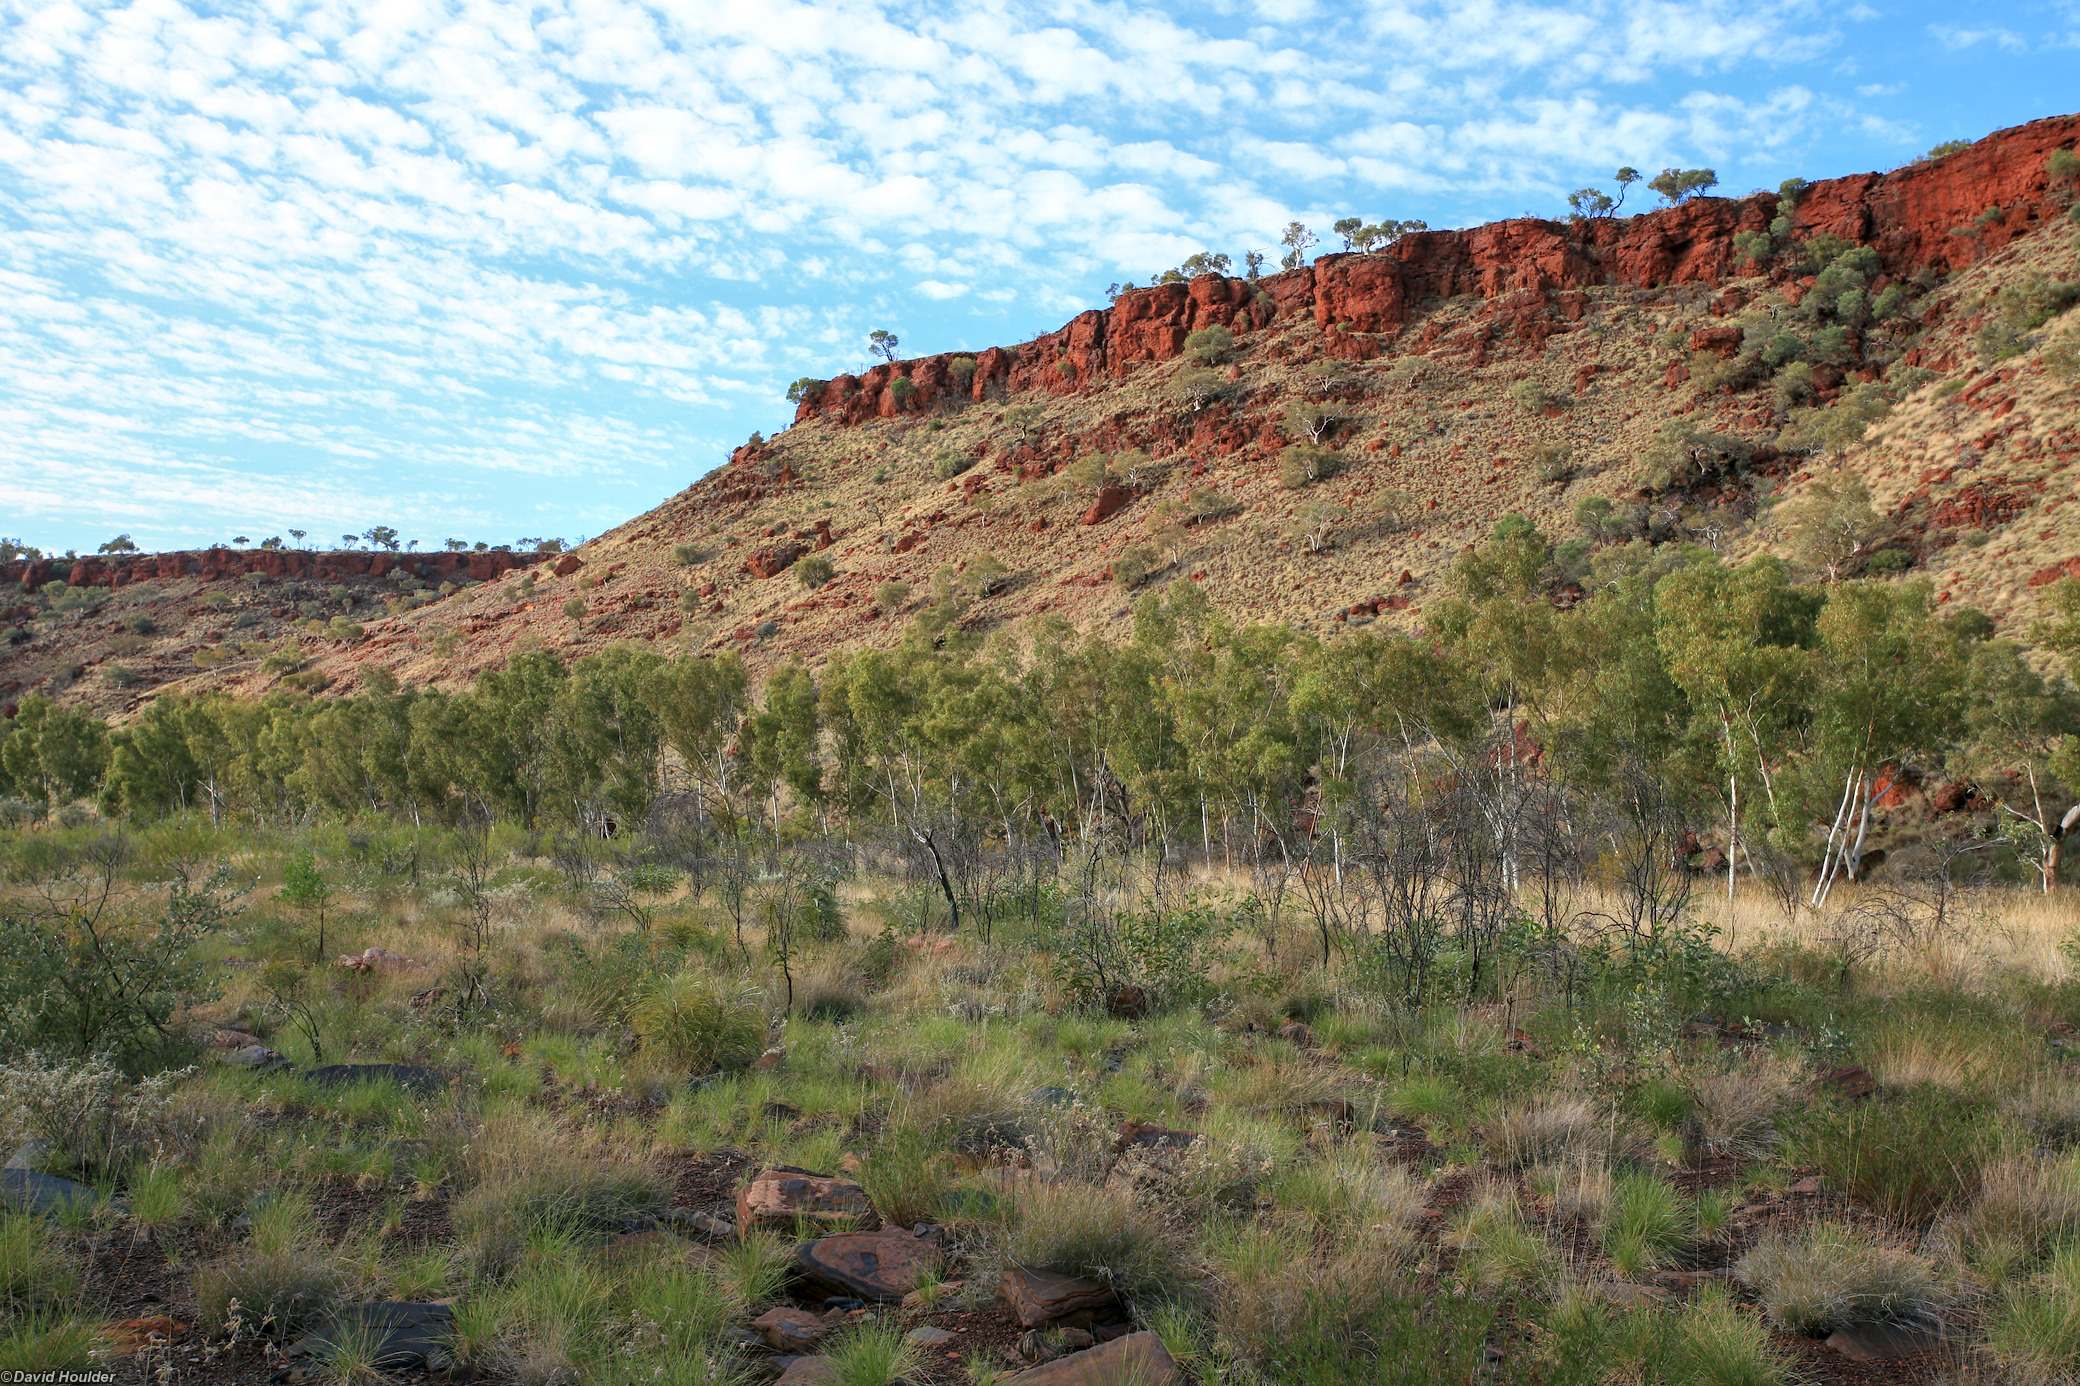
2025	1206
1830	1274
1547	1131
1733	1113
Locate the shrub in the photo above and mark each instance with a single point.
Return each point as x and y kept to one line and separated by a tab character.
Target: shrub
1303	464
1552	463
532	1180
1102	1233
1133	567
1721	1346
1647	1223
1210	346
1530	396
948	463
814	571
962	369
889	597
686	555
1197	388
280	1293
1733	1113
1826	1275
1545	1132
1908	1160
689	1021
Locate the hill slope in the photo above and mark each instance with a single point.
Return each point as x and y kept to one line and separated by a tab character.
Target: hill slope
1685	365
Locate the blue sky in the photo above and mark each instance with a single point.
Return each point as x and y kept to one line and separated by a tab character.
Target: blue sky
490	271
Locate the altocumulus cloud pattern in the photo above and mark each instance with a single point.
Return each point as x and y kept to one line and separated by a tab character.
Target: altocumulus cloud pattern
483	269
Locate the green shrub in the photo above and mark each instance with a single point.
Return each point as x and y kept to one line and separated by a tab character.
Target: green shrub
948	463
1303	464
1210	346
278	1293
688	1020
1647	1224
814	571
1909	1160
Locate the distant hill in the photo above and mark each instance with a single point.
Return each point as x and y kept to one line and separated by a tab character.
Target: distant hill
1690	367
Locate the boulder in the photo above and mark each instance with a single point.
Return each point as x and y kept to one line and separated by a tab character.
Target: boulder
34	1154
791	1330
928	1336
781	1197
1041	1297
27	1191
1111	500
1851	1083
258	1057
1881	1342
422	1081
1138	1357
808	1371
406	1335
377	960
872	1265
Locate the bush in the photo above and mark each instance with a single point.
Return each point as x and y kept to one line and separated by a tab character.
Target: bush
1133	567
1547	1131
688	1020
686	555
530	1179
1303	464
1102	1233
1210	346
889	597
1826	1275
1530	396
1909	1160
948	463
814	571
279	1293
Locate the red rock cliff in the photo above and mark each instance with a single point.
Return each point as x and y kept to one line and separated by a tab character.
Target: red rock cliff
1924	215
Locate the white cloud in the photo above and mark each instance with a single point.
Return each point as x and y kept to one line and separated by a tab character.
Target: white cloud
387	258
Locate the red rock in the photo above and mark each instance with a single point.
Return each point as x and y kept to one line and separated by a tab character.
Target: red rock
781	1197
872	1265
1111	500
1138	1357
1041	1297
568	564
1880	1342
808	1371
771	562
132	1336
1293	1032
1853	1082
791	1330
1150	1136
1722	341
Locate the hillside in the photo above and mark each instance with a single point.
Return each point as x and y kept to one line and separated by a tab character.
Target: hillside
1688	365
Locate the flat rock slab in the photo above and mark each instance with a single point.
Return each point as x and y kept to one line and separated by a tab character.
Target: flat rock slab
257	1056
928	1336
423	1081
28	1191
791	1330
1139	1357
1880	1342
871	1265
782	1197
1041	1297
34	1154
1851	1083
404	1334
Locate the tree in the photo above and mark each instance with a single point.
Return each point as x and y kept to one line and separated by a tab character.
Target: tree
985	574
1297	240
1304	464
883	344
1348	228
814	571
1676	184
808	387
382	537
297	534
1587	203
1317	518
890	597
1204	262
1253	263
120	544
305	887
57	752
575	609
1833	528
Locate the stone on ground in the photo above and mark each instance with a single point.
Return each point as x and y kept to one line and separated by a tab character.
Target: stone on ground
1139	1357
782	1197
405	1334
872	1265
1042	1297
791	1330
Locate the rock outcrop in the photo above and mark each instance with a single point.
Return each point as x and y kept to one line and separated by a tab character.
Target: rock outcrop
1940	215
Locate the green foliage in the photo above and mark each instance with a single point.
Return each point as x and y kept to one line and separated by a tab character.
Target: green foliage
808	387
1210	346
814	571
689	1021
948	463
1910	1159
1304	464
1676	184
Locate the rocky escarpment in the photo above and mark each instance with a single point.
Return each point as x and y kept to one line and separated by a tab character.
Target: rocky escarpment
1937	216
220	564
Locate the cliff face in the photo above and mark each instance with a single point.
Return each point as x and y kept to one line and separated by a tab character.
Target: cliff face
1939	216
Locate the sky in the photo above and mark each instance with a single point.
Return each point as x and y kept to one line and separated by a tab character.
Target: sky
499	271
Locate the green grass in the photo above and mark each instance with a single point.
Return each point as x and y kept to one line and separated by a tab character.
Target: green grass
1647	1226
1909	1160
871	1354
